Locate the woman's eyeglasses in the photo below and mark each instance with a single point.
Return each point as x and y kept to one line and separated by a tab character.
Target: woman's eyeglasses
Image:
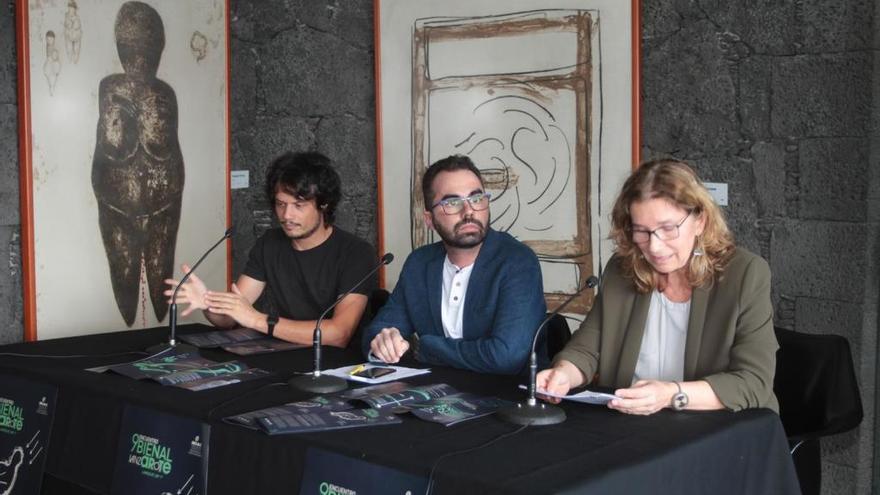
664	233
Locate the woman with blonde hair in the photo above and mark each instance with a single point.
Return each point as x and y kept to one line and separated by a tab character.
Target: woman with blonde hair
683	317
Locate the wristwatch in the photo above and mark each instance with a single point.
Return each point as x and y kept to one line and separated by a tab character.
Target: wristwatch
271	321
680	399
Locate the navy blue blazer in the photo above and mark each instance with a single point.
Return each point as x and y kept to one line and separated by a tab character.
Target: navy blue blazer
503	307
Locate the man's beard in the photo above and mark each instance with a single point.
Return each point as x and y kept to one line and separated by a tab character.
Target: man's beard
305	233
462	241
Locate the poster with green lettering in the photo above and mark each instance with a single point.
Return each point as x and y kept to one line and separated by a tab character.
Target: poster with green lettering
26	412
329	473
160	453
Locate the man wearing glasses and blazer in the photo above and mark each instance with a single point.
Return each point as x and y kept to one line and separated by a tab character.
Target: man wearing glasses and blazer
472	300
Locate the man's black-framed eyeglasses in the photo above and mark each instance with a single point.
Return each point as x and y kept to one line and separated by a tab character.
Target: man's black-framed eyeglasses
664	232
478	201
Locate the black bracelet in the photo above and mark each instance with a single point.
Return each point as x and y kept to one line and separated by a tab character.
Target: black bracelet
271	321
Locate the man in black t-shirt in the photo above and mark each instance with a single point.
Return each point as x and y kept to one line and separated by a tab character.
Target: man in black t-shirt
302	266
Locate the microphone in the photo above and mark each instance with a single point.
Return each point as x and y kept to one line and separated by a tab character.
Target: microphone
172	311
315	382
530	412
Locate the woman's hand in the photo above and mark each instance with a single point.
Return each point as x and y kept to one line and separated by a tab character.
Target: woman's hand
644	397
559	380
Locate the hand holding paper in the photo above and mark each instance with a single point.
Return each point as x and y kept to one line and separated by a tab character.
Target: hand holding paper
586	396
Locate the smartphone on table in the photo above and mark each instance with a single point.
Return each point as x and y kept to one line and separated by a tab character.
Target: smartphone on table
374	372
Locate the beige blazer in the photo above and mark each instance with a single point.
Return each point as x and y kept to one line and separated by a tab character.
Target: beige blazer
730	339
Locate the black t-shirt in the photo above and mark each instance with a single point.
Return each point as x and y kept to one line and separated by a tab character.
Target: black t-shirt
300	285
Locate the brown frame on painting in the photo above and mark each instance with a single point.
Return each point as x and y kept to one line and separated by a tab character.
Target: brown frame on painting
215	41
438	23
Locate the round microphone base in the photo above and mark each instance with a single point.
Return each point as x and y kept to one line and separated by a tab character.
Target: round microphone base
323	384
539	414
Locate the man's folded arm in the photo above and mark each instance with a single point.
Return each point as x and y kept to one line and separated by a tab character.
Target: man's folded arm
519	310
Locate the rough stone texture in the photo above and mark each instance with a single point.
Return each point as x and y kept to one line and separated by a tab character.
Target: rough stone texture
872	279
832	179
755	81
836	26
351	142
244	63
821	316
9	212
764	27
839	480
7	57
349	20
769	171
827	95
244	234
842	449
696	78
269	137
311	58
741	211
295	83
818	259
666	18
795	26
11	329
10	285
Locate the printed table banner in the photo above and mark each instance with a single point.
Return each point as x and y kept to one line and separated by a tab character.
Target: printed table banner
328	473
26	413
160	453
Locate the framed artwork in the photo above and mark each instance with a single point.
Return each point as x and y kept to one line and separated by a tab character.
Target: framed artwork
541	94
124	139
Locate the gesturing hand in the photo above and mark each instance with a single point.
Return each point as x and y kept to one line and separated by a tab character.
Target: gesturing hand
234	305
193	292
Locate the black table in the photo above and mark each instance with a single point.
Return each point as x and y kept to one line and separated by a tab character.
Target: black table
595	450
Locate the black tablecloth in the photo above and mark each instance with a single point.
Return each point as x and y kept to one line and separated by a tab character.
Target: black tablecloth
595	450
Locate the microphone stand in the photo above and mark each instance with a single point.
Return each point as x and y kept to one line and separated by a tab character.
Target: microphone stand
316	382
530	412
172	310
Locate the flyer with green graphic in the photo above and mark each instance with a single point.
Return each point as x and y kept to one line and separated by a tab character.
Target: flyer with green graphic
27	410
187	370
160	453
438	403
310	406
323	420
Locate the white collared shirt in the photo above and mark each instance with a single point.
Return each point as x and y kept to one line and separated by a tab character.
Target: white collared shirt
661	356
455	283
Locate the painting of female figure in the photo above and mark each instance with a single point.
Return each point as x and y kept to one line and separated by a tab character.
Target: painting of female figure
125	158
137	170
